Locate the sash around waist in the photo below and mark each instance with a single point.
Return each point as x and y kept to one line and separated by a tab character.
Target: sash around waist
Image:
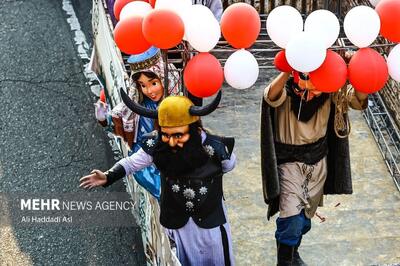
306	153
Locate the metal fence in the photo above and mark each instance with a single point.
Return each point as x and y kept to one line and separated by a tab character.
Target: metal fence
265	6
383	112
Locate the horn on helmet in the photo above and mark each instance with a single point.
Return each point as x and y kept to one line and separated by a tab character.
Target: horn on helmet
208	109
137	108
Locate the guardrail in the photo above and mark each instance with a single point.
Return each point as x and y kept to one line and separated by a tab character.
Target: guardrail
113	72
383	112
304	6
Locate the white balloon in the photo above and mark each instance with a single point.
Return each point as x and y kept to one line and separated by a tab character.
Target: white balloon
362	25
393	62
305	52
136	8
178	6
283	23
241	70
374	2
324	24
202	29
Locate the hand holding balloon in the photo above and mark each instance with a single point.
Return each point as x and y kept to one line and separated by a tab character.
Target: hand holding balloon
281	62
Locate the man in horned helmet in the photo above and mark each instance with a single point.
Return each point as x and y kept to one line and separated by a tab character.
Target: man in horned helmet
192	163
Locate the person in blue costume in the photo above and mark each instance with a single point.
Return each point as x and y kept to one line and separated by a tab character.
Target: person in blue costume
147	76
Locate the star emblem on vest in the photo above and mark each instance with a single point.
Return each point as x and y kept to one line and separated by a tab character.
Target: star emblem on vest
189	193
189	205
209	150
175	188
150	142
203	190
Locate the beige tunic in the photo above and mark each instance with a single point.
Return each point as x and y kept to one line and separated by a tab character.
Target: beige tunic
301	184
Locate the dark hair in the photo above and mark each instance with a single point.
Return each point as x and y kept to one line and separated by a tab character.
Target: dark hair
135	78
196	125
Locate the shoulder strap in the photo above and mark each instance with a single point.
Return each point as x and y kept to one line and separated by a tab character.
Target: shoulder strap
221	147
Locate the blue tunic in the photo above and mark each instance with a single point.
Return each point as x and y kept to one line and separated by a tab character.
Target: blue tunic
149	177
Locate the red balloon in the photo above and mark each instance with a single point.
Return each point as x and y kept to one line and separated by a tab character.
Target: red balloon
152	3
331	75
102	96
389	13
203	75
129	37
240	25
281	63
368	71
163	28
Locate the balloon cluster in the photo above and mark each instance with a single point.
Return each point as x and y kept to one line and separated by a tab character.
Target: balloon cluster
306	51
141	26
240	26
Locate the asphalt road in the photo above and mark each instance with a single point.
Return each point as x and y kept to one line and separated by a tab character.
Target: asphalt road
49	137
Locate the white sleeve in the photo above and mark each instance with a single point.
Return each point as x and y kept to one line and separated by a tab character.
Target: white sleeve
278	101
229	164
136	161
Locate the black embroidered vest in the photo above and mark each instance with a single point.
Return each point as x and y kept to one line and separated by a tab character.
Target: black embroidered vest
198	194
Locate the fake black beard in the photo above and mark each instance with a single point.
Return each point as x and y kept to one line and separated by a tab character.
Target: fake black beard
308	108
178	162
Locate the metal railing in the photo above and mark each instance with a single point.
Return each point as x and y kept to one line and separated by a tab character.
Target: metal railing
386	134
265	6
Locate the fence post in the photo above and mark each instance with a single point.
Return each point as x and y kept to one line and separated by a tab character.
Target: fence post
262	7
271	5
303	6
326	4
314	4
339	8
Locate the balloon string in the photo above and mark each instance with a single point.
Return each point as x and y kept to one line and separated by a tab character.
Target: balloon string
301	104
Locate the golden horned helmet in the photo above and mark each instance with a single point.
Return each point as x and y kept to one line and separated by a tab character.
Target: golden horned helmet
173	111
